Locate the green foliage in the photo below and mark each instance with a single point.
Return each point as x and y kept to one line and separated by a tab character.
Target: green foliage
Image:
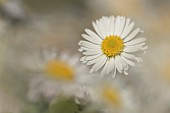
63	105
91	109
39	107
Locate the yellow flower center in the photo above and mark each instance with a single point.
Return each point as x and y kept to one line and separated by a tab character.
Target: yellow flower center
112	96
112	46
59	70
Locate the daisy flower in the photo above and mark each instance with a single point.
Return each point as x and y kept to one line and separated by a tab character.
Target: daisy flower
55	74
112	97
65	67
113	45
62	67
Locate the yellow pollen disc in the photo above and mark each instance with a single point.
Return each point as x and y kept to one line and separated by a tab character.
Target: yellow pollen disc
59	70
112	46
112	96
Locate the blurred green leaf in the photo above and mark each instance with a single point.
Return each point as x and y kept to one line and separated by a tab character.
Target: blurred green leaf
90	111
30	109
63	105
40	107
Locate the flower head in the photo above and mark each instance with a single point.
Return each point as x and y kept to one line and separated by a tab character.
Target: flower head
58	74
112	96
113	45
62	67
65	67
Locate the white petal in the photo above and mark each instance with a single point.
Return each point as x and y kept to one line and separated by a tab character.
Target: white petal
138	59
92	39
100	28
102	64
80	50
112	23
103	27
83	58
125	72
114	72
106	24
89	45
126	26
123	62
118	65
135	48
96	28
111	65
103	72
141	31
117	25
90	62
92	57
128	61
122	23
84	62
141	45
136	41
130	56
132	35
127	55
99	61
127	30
89	49
132	49
144	48
92	52
92	34
87	53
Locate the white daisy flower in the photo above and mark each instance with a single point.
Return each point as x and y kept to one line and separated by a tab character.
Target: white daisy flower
55	74
113	45
62	67
112	97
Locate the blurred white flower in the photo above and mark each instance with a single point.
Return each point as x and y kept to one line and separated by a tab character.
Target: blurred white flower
62	67
112	48
60	74
113	97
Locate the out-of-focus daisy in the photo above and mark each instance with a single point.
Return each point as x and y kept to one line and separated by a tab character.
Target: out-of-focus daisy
56	74
112	97
62	67
113	45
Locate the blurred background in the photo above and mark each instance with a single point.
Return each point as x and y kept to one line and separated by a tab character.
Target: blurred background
26	26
